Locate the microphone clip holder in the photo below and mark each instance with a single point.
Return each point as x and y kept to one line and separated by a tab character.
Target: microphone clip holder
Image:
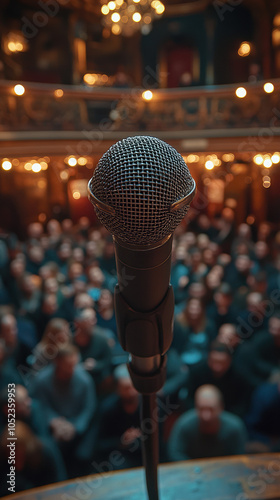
146	335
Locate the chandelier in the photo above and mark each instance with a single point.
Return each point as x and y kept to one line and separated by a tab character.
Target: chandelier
127	17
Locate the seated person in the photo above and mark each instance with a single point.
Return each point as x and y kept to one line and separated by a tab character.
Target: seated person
218	370
67	395
120	423
264	415
94	345
36	462
207	430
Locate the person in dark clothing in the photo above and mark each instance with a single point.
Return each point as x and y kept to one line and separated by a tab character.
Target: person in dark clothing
221	310
8	373
16	350
207	430
28	410
93	344
67	395
258	358
263	417
36	462
120	423
219	370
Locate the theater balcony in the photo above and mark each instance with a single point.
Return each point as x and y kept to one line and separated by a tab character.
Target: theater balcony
52	138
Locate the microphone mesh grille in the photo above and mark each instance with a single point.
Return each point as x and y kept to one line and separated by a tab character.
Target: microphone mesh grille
140	177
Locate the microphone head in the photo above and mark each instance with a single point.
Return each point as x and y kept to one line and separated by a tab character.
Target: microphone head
141	190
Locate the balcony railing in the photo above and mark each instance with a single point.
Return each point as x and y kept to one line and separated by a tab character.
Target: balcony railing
201	111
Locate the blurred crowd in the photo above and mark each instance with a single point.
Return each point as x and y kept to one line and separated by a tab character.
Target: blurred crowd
77	412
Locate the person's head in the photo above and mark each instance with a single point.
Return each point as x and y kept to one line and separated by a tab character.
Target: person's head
274	327
261	250
57	332
264	231
9	330
78	254
85	321
223	296
197	290
244	231
209	257
125	388
23	402
75	271
49	304
227	334
255	302
53	228
64	251
83	301
202	241
51	285
35	253
17	268
35	230
194	310
243	264
203	222
66	226
49	270
228	214
28	448
105	300
27	284
219	359
96	276
65	362
258	282
208	405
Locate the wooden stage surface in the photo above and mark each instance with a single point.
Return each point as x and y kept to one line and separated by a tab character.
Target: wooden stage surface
250	477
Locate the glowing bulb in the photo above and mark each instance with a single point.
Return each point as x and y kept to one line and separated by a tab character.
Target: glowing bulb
275	158
116	29
192	158
160	8
266	181
19	47
58	93
12	47
155	4
76	195
105	9
241	92
119	2
72	162
44	165
115	17
112	5
147	95
267	163
209	165
268	87
19	89
36	167
136	17
228	157
64	175
28	166
258	159
6	165
244	49
82	161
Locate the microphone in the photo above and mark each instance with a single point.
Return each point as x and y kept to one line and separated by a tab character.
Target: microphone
141	189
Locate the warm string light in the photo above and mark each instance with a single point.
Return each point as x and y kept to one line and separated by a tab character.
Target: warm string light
127	17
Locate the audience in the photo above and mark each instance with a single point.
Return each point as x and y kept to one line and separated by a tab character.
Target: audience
59	345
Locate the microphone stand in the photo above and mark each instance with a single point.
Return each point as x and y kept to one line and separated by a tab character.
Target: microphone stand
147	336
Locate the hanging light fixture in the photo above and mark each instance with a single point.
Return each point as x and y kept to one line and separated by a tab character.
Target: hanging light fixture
127	17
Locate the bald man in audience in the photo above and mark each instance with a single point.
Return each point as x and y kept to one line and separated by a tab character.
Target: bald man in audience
207	430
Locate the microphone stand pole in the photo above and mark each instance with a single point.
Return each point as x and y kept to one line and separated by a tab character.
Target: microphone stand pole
147	336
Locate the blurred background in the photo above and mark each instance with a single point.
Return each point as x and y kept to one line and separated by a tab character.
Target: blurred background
78	75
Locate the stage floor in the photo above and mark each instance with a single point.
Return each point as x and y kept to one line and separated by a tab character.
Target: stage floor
250	477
